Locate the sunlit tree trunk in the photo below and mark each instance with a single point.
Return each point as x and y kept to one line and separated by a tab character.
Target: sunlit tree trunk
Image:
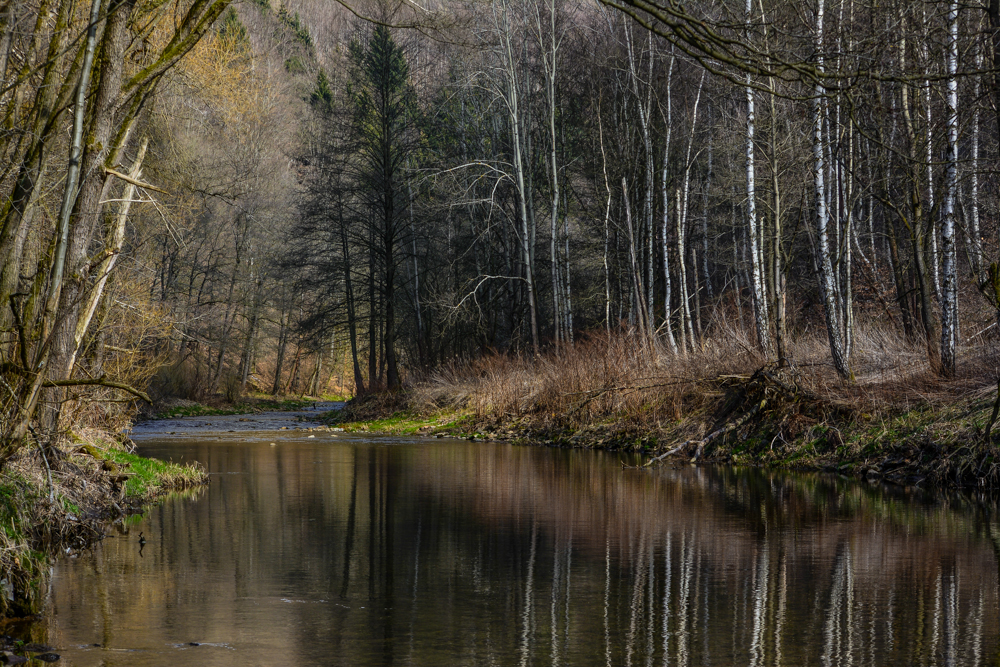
756	259
949	300
777	274
684	325
667	306
975	240
827	276
607	221
550	53
706	278
917	223
637	292
929	148
512	100
682	222
644	107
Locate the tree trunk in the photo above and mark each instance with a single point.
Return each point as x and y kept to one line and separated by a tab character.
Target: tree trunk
282	344
949	300
827	278
758	270
512	98
667	307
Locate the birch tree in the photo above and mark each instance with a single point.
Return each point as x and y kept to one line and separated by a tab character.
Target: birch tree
756	237
510	92
827	276
115	49
949	300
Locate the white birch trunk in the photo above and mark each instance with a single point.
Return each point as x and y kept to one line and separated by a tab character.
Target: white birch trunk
974	232
511	94
949	295
706	279
639	308
666	214
607	220
845	257
827	277
682	221
568	296
549	54
756	260
929	149
644	107
685	315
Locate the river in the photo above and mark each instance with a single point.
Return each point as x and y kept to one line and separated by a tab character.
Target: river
315	547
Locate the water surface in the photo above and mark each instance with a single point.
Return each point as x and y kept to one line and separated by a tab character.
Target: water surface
340	549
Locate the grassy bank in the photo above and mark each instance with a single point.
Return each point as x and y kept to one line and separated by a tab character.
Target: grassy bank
897	422
48	507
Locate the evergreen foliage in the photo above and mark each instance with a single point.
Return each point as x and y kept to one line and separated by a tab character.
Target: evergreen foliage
321	97
295	24
232	28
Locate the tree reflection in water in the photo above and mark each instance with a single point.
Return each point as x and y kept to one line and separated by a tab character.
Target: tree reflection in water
357	552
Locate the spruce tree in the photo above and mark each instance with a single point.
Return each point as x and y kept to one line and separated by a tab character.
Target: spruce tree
385	135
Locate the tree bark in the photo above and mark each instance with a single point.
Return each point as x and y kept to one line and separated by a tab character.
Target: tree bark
949	300
827	279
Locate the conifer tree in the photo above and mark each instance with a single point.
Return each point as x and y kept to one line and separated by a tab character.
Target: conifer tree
384	129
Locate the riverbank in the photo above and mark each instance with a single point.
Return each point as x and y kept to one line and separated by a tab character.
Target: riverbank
219	406
51	507
902	425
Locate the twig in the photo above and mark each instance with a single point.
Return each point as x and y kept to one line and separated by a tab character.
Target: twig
980	333
22	341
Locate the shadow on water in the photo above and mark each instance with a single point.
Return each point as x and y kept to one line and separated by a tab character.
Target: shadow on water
338	549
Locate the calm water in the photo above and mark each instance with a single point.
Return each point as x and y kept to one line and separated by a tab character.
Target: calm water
346	550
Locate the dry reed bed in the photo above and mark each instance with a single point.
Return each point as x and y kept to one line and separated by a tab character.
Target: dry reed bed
621	377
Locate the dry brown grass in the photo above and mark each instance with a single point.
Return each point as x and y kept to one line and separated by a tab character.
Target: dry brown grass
621	385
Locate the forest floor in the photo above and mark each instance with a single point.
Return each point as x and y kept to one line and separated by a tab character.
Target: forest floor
48	507
902	425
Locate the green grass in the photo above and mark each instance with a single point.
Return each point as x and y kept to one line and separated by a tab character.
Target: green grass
15	493
405	423
151	477
32	529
